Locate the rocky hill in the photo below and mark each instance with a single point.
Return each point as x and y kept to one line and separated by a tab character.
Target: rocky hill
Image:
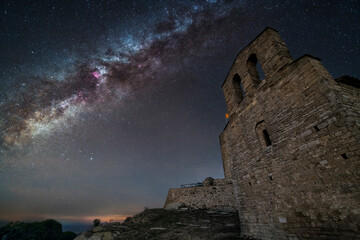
179	224
48	229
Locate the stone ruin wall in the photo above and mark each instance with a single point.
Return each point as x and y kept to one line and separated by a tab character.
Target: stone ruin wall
305	185
220	195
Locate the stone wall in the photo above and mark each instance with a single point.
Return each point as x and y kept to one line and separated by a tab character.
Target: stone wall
219	195
292	145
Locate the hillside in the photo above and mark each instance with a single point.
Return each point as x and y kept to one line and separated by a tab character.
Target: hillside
171	225
45	230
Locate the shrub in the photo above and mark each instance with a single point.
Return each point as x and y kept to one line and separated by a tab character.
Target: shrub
68	235
96	222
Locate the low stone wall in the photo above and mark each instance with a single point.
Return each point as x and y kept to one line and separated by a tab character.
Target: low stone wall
219	195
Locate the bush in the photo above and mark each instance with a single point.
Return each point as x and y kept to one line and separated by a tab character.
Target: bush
96	222
68	235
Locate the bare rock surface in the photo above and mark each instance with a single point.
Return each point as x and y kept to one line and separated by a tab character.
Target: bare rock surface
171	225
174	205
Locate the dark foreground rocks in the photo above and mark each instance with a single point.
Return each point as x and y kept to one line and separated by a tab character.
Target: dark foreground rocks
47	229
171	225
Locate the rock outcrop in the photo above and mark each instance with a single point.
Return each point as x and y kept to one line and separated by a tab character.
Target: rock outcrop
178	224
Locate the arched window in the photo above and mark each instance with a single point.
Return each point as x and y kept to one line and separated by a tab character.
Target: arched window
238	87
255	70
263	134
266	137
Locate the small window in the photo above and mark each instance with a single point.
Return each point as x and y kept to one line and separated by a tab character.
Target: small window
255	69
263	134
266	137
238	87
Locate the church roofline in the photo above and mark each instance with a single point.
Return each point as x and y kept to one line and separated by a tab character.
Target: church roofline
267	28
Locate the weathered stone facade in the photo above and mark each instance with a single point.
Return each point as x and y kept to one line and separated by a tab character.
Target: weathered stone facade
217	193
292	145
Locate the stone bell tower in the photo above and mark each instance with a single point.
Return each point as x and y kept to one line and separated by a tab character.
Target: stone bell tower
292	144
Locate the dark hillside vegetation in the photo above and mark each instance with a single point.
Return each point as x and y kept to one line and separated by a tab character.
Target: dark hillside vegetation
45	230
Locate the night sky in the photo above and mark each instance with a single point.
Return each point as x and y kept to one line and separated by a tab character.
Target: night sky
105	105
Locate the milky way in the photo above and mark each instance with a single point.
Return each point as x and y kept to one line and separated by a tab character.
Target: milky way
47	103
113	102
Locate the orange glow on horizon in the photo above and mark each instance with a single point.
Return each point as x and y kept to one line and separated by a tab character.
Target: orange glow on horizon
107	218
83	219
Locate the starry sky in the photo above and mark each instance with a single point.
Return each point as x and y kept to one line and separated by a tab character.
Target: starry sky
105	105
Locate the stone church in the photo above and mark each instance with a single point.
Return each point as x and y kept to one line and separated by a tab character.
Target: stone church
290	148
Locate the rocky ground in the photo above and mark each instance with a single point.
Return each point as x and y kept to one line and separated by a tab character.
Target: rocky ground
180	224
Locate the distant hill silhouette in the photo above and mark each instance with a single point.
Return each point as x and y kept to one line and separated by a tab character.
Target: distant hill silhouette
48	229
